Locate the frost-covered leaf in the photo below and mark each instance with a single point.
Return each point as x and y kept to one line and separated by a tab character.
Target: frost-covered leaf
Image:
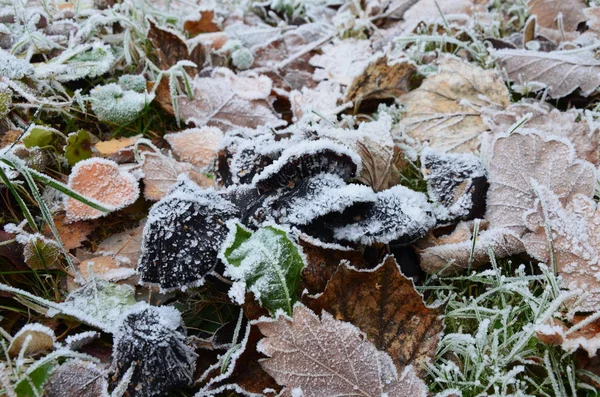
342	61
106	268
32	384
547	120
40	136
561	72
5	100
111	103
456	184
308	159
446	109
161	173
556	332
83	61
455	11
77	378
459	251
398	214
324	99
31	339
13	67
548	13
125	247
72	234
227	101
98	303
567	235
171	48
384	304
39	252
197	146
100	180
267	262
113	146
204	22
521	159
152	339
349	365
182	236
381	79
78	147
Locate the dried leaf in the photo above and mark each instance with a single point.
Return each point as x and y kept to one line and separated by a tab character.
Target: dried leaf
350	365
107	148
384	304
342	61
170	48
76	378
125	247
72	234
380	80
41	253
161	173
556	332
203	23
323	99
523	158
445	109
227	101
32	339
432	11
197	146
102	181
105	268
549	11
561	72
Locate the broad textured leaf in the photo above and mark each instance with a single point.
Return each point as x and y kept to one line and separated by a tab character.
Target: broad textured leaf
227	101
182	236
324	357
445	109
40	136
161	174
153	340
520	159
102	181
384	304
78	147
398	214
573	243
41	253
548	12
76	378
268	262
197	146
556	332
125	247
561	72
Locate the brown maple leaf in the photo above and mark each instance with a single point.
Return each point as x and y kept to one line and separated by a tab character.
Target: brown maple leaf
384	304
324	357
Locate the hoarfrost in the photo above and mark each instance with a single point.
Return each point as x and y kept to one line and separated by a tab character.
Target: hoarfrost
111	103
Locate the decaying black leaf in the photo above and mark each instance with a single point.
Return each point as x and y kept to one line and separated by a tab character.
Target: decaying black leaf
152	339
182	236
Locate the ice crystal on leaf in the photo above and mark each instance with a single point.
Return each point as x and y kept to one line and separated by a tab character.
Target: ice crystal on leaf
182	236
350	365
153	340
86	60
111	103
13	67
77	378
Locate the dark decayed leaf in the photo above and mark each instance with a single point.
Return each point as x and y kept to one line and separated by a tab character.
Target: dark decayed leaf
456	184
76	378
384	304
152	339
398	215
170	48
182	236
266	263
308	159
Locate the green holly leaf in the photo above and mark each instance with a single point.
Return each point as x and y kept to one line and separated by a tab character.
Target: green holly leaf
79	147
40	136
35	380
269	264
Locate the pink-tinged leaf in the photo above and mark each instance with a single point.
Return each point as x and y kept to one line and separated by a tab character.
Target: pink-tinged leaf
197	146
100	180
324	357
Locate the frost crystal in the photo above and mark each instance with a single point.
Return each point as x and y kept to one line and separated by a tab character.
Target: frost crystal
133	82
182	236
242	58
111	103
13	67
152	339
398	214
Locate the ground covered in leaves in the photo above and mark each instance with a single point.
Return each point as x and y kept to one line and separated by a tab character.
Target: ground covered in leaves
304	198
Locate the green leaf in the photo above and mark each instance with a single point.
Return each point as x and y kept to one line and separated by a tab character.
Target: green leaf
268	262
25	387
79	147
40	136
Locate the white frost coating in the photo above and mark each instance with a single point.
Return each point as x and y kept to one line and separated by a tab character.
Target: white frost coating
85	60
398	213
114	104
342	60
324	99
13	67
36	327
308	148
297	392
237	292
74	342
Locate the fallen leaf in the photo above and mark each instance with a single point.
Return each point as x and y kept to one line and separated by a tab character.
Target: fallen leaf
197	146
41	253
170	48
548	13
384	304
203	23
107	148
324	100
523	159
342	61
227	101
125	247
446	109
161	174
562	72
457	252
106	268
381	80
72	234
350	365
432	11
32	339
78	147
100	180
556	332
76	378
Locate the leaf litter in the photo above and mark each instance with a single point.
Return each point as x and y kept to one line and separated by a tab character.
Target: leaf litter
299	198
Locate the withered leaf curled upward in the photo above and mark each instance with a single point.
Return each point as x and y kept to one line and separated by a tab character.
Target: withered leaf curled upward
227	101
324	357
574	243
445	109
562	72
170	48
521	159
384	304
